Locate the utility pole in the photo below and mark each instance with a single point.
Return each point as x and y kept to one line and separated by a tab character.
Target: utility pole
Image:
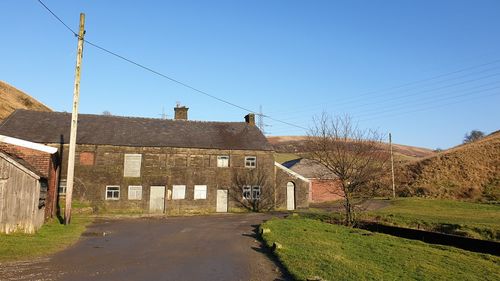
392	168
74	123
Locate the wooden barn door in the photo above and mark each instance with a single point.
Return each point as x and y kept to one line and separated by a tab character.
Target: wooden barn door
157	199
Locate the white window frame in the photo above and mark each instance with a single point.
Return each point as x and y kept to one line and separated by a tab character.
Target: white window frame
178	192
247	192
63	183
200	192
256	188
248	162
252	192
132	171
223	161
112	186
137	192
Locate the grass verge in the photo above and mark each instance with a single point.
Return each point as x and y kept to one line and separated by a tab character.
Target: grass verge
311	248
50	238
476	220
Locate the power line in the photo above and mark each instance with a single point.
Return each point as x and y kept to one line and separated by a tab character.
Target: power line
390	103
386	91
428	108
163	75
368	114
59	19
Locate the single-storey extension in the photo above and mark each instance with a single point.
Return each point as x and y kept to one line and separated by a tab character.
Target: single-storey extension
324	184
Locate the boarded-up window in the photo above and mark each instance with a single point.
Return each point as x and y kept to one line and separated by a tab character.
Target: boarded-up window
87	158
200	192
132	165
178	192
222	161
134	192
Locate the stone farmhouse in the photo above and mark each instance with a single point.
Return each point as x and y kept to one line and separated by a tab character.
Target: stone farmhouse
168	166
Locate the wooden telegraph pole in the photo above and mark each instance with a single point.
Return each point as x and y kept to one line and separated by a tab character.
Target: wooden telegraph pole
74	123
392	168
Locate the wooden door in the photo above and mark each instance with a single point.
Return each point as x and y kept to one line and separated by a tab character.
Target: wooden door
157	199
290	196
221	201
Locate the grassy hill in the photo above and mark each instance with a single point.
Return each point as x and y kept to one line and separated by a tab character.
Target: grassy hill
12	99
292	147
468	171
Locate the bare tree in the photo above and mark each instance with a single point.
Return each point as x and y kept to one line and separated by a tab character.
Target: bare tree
355	156
473	136
253	189
106	113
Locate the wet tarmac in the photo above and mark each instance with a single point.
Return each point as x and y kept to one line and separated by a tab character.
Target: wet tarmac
218	247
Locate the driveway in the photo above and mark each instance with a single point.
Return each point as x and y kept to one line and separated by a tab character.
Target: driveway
218	247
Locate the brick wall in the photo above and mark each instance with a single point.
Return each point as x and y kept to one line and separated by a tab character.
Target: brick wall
325	190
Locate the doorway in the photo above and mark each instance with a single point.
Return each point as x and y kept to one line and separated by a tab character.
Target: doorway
221	206
157	199
290	196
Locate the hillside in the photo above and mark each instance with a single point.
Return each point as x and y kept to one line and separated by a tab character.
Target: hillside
297	145
469	171
12	99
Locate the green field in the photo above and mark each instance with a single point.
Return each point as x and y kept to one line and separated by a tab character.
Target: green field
311	248
50	238
475	220
283	157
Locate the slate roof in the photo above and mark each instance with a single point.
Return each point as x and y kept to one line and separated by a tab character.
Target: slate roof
54	127
309	169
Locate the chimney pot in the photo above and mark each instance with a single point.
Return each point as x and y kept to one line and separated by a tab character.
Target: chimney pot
250	119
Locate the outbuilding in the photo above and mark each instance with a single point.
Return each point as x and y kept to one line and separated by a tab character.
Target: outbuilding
23	192
324	185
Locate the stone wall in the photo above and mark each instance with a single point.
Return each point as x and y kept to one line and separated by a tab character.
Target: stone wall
283	177
98	166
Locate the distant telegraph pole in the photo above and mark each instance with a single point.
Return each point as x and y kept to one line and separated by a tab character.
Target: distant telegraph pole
392	168
74	123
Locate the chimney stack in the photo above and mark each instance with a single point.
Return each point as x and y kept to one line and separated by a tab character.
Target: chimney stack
250	119
181	112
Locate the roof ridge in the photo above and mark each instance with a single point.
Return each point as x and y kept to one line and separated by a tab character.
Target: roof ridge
130	117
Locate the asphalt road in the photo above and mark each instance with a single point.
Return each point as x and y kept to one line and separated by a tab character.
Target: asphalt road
218	247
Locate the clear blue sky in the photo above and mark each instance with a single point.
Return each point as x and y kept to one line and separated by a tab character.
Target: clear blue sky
295	58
